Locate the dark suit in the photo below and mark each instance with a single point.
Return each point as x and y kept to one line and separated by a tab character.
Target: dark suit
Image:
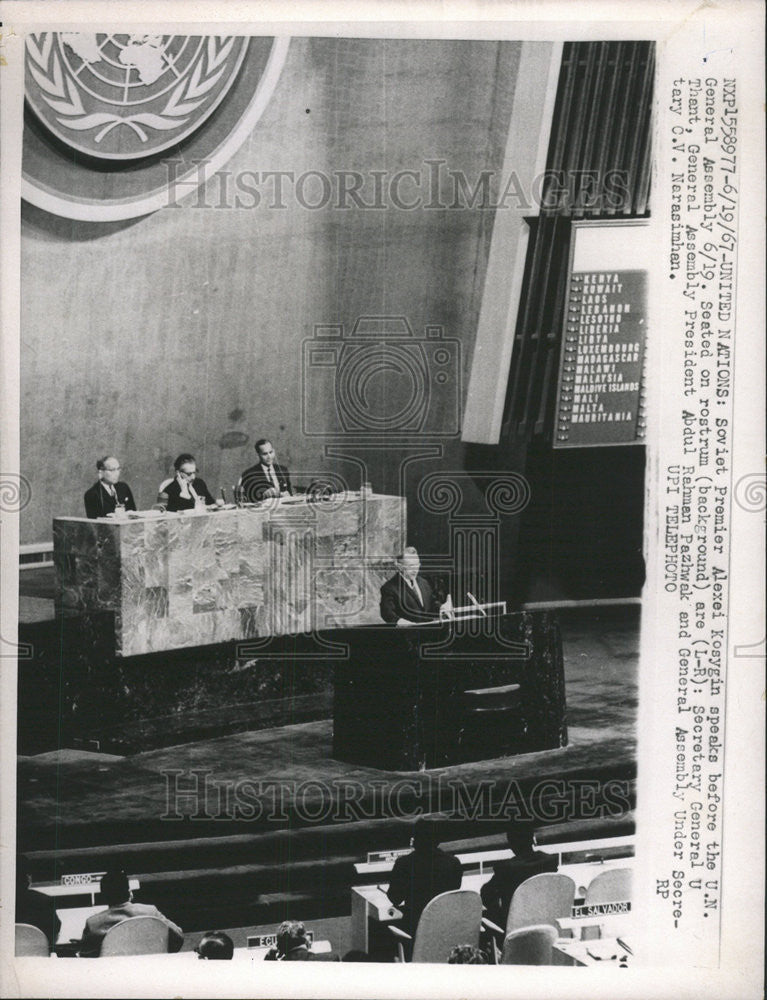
176	502
418	877
99	503
36	908
508	875
398	600
97	926
255	481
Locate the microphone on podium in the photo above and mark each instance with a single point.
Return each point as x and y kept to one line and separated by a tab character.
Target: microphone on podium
476	603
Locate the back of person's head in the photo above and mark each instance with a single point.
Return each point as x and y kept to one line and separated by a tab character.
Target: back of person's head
355	955
290	934
215	945
520	835
115	887
425	834
466	954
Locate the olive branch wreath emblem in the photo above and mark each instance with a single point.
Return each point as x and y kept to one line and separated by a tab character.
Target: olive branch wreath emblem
62	94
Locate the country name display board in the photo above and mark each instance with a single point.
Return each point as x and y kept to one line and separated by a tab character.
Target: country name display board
600	390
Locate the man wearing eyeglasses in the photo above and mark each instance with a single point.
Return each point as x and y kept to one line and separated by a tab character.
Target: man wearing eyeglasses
105	494
186	491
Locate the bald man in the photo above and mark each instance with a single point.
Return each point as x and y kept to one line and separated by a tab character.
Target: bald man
408	598
102	498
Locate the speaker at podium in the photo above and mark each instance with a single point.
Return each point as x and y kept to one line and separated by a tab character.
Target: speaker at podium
480	685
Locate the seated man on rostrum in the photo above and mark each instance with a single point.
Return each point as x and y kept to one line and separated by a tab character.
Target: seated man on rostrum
510	873
408	598
266	478
423	874
108	491
119	899
185	490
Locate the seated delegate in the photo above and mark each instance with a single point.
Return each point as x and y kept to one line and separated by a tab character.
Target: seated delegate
108	491
293	946
266	478
510	873
115	890
185	490
426	872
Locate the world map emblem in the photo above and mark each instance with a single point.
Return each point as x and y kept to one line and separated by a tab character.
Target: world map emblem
128	96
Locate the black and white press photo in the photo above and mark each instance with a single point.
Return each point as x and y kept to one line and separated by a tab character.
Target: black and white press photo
380	512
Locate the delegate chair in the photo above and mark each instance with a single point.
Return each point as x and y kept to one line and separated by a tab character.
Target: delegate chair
447	920
136	936
542	899
612	886
529	946
30	941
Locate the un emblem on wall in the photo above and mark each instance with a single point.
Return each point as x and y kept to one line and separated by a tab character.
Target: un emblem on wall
127	96
116	124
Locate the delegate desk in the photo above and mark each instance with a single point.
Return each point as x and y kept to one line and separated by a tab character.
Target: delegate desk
603	952
70	887
193	579
427	696
73	922
372	909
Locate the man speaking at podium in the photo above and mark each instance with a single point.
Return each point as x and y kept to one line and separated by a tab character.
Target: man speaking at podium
408	598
